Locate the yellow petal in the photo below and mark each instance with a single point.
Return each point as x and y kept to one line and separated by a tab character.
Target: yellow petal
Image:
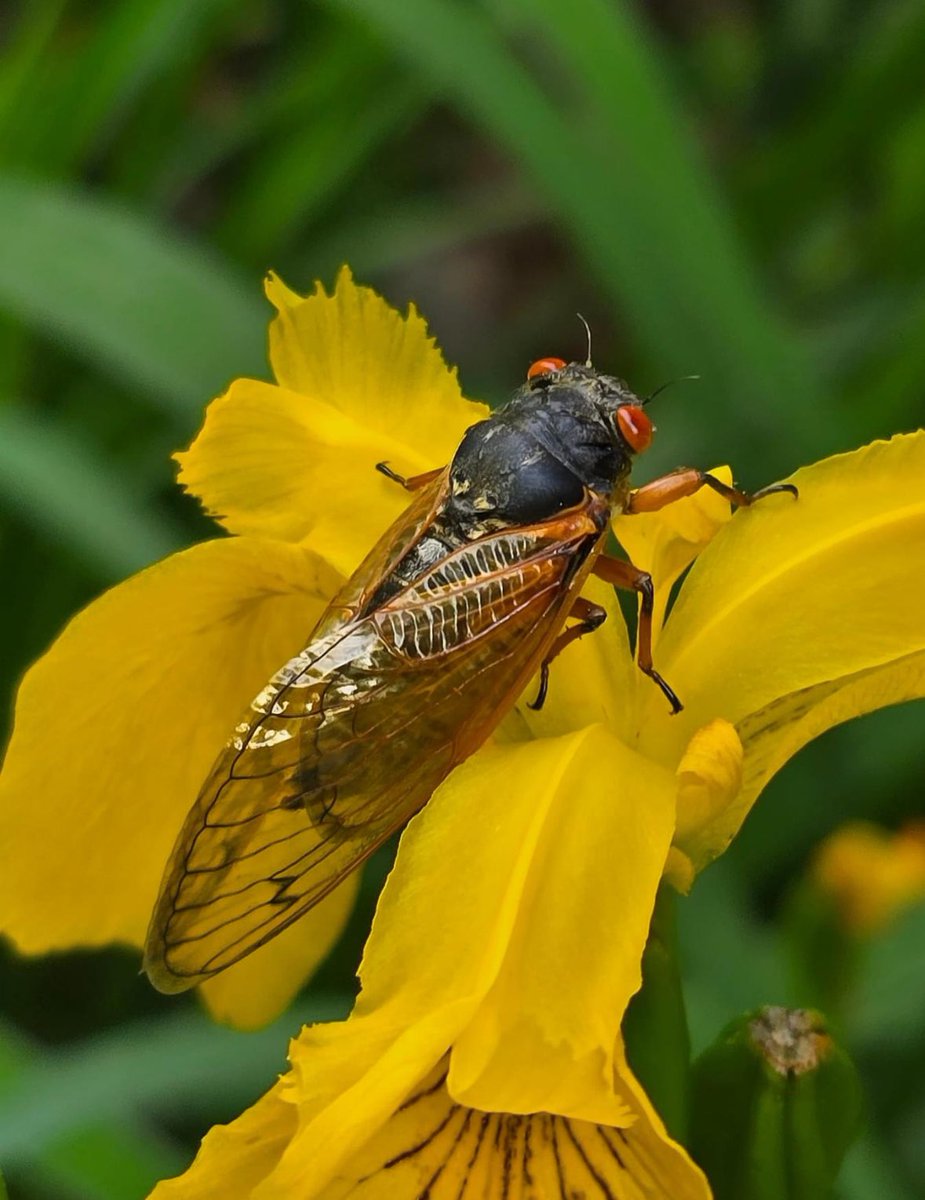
347	1080
709	781
355	353
583	916
801	614
593	681
234	1158
359	384
673	1176
117	725
679	870
871	874
665	543
259	987
492	883
426	1143
523	865
268	462
433	1146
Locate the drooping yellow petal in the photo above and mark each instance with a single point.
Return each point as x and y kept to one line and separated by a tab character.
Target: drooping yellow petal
347	1079
117	725
660	1163
476	897
771	736
433	1146
522	826
665	543
802	614
357	354
234	1158
584	916
426	1143
253	991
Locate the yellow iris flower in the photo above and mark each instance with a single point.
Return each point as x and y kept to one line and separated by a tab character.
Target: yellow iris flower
508	940
871	874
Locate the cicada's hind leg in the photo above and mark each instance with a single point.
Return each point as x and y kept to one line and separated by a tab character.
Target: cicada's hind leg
625	575
590	617
685	482
411	483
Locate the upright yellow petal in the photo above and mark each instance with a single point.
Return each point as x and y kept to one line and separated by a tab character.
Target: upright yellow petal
359	384
356	353
117	725
269	463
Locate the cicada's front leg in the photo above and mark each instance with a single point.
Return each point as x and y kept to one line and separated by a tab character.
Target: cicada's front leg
411	483
685	482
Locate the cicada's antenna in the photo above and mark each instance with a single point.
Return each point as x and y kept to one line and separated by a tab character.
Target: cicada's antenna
588	332
658	391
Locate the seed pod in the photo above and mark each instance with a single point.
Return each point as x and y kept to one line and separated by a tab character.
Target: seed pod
775	1106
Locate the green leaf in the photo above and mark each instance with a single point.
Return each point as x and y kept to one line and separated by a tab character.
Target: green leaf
655	1025
621	172
870	1170
55	119
157	312
889	1003
103	1162
60	485
182	1061
729	961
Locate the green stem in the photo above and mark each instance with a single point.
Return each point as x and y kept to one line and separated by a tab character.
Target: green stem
655	1025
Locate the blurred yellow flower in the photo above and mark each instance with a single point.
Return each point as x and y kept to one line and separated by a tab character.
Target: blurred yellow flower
871	874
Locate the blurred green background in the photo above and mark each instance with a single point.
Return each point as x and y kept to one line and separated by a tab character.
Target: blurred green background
724	188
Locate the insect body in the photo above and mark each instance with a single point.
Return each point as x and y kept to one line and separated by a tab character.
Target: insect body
414	664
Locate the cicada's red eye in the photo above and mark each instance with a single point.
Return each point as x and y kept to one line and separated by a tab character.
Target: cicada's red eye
545	366
635	426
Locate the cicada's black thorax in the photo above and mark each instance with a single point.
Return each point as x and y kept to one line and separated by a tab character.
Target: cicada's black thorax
556	437
536	456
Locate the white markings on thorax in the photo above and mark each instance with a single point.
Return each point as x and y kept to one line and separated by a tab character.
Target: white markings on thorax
460	598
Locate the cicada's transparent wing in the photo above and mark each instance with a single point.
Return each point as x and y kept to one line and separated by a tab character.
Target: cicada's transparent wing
351	738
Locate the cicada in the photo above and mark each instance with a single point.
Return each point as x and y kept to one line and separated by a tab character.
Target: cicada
473	591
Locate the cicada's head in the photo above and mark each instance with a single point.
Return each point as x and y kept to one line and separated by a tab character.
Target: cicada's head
568	429
590	422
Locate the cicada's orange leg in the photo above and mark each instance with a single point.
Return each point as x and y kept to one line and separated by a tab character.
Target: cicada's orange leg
625	575
684	482
590	617
411	483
